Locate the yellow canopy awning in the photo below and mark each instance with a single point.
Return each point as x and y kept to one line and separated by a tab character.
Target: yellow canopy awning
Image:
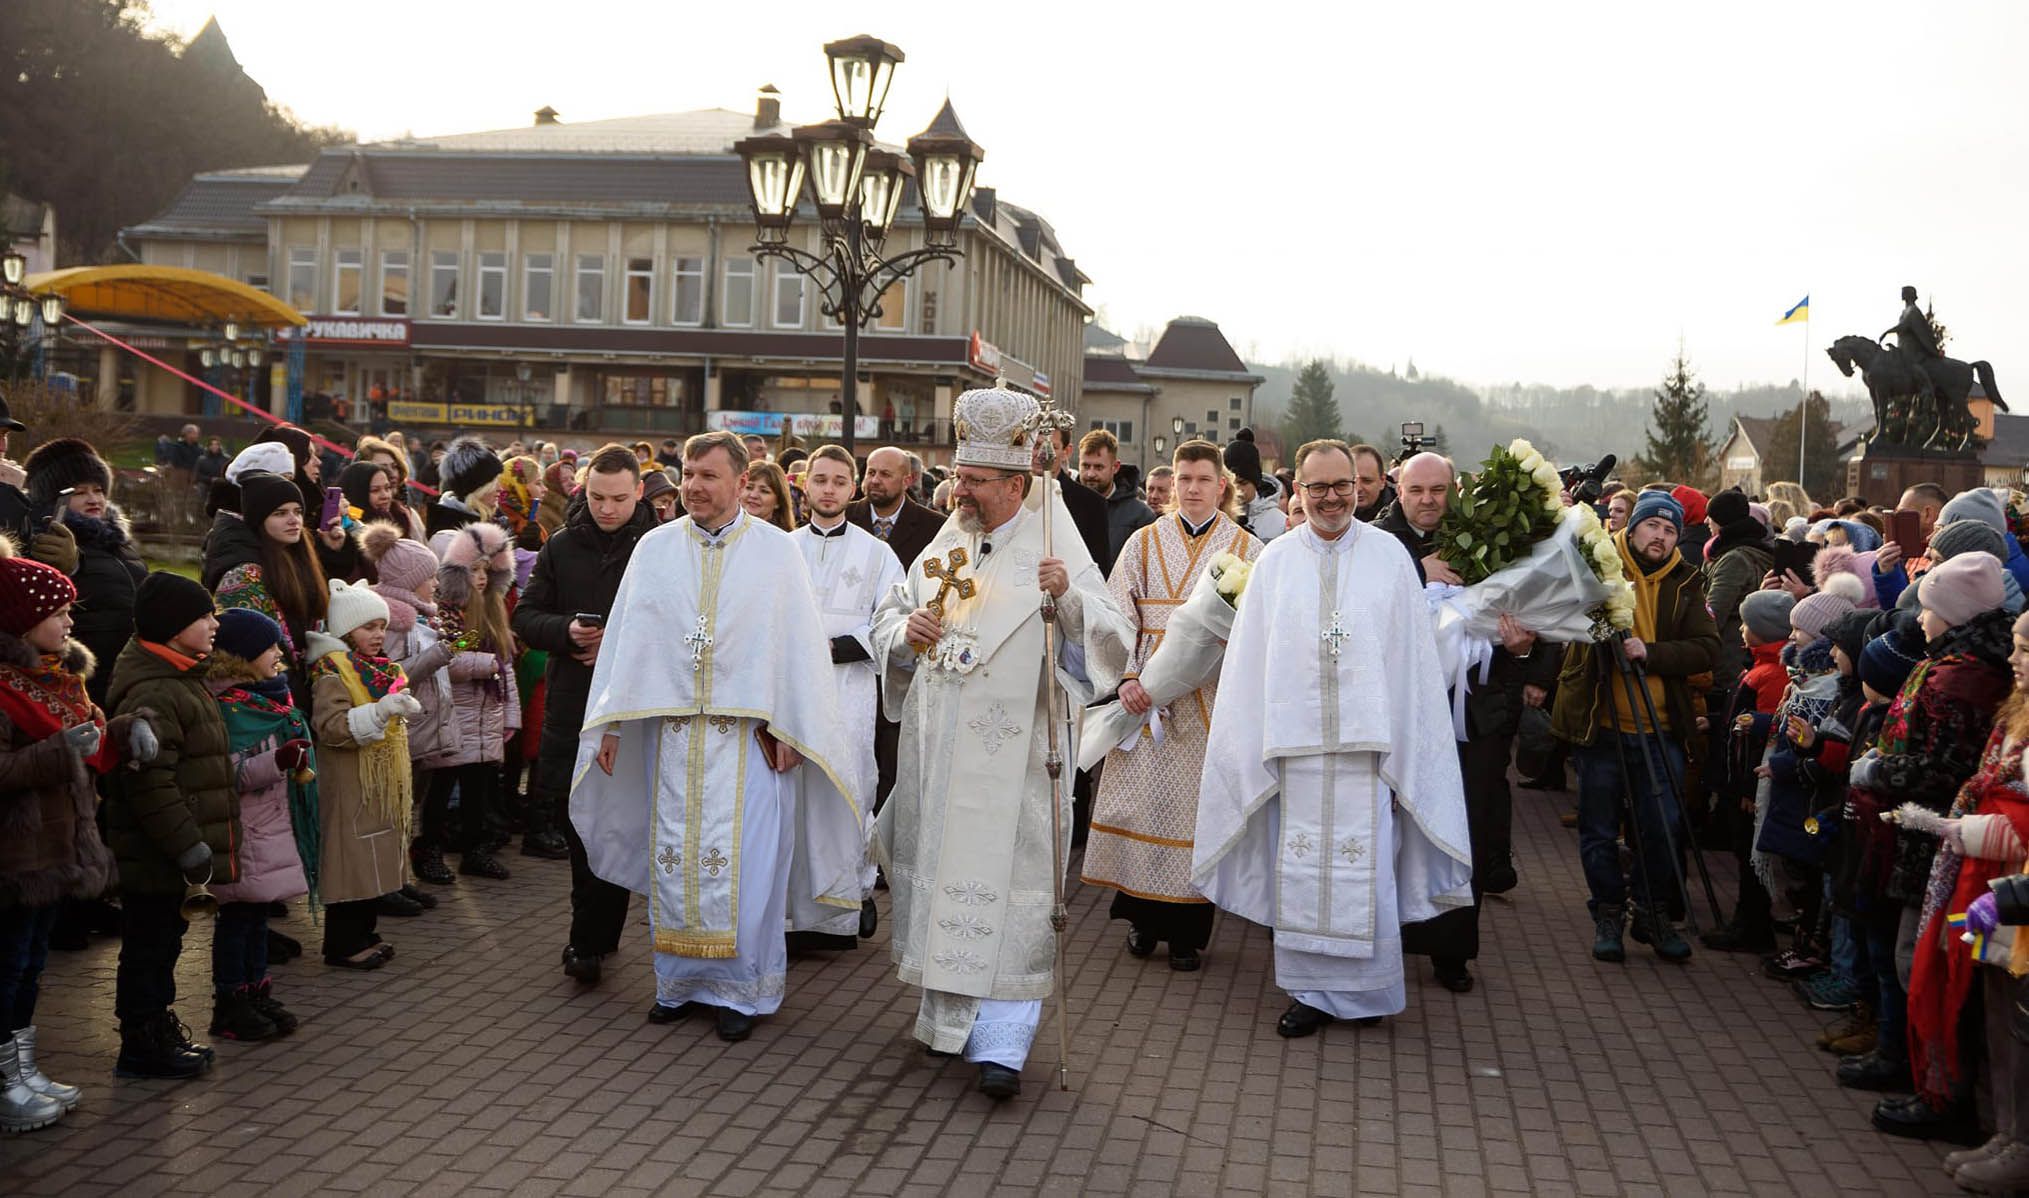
138	291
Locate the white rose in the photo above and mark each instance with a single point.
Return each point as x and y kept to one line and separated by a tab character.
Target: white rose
1546	475
1519	448
1604	553
1530	461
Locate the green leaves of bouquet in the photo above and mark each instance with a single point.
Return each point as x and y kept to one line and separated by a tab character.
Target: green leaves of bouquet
1498	515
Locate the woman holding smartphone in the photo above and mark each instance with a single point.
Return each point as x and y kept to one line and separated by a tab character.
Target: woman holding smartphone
273	569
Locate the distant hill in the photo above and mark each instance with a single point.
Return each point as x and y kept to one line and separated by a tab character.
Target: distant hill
1571	424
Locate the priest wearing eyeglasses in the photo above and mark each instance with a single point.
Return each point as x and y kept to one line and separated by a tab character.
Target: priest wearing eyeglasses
1331	808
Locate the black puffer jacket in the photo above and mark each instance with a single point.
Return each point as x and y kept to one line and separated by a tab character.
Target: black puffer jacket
578	570
109	571
230	543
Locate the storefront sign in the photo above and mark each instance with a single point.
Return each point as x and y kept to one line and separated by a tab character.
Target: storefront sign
1042	383
803	424
352	330
457	415
984	355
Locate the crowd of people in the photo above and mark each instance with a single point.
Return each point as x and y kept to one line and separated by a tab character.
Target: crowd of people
386	663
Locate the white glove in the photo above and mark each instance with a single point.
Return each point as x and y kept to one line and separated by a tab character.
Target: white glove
397	704
142	744
84	739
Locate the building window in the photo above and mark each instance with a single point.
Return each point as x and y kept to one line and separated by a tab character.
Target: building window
394	282
591	288
894	307
303	278
690	291
493	285
739	301
640	290
1233	424
538	272
788	298
444	283
1234	403
348	266
1191	429
1123	430
1212	419
259	282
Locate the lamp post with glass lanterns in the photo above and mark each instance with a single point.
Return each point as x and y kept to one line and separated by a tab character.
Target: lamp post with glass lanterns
856	186
19	308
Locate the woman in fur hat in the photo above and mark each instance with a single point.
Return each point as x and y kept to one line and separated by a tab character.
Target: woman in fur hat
277	574
408	584
469	481
472	584
68	477
52	740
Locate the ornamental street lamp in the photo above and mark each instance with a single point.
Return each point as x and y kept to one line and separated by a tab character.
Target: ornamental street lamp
19	308
856	186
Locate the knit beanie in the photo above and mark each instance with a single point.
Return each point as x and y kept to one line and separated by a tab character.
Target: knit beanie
30	592
1886	662
467	466
1766	614
1849	632
1243	458
353	605
1760	512
1980	503
271	456
1957	590
1727	507
165	604
261	493
401	563
1815	611
1967	536
1795	527
246	633
59	465
1650	504
1692	501
654	483
356	481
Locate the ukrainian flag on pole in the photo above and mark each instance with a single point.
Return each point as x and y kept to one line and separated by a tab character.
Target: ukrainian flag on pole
1802	312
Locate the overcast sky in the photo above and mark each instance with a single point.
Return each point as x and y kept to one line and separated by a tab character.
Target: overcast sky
1502	192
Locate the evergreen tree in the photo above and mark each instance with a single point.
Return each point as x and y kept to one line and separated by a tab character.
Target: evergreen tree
1313	413
1680	443
1822	475
1439	443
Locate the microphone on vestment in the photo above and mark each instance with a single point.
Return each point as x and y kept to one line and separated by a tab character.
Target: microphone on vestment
985	547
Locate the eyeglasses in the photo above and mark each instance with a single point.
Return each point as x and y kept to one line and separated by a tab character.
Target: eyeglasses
1344	489
973	484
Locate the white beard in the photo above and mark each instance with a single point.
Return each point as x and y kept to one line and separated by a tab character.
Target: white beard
971	523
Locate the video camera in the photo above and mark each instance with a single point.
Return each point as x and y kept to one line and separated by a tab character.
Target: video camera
1413	440
1585	482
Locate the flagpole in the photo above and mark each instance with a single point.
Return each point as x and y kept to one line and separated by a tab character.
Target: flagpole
1804	402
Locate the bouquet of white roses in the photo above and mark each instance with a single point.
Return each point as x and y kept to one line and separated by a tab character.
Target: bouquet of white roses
1498	515
1193	645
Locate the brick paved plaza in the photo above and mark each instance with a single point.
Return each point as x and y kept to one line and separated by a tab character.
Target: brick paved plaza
470	1063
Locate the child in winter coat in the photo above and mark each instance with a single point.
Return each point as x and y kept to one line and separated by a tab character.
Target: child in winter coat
408	584
472	585
361	708
1764	630
170	823
52	741
275	830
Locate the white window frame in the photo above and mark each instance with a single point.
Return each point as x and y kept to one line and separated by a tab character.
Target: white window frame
748	274
339	268
628	274
578	275
548	270
677	276
1122	430
396	262
784	273
438	267
497	267
301	257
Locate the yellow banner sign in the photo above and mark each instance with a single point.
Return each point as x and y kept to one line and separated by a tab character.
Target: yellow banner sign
458	415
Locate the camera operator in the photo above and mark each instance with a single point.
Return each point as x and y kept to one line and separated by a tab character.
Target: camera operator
576	575
1519	676
1674	638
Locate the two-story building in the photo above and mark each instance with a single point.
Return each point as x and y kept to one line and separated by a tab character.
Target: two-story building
599	278
1191	384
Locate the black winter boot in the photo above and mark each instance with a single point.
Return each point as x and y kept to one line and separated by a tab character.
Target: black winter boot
150	1049
262	995
233	1016
428	863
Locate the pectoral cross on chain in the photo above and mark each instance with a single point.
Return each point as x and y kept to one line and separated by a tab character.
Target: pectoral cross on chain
699	640
946	572
1334	636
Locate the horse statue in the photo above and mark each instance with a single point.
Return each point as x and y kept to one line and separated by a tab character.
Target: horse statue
1925	408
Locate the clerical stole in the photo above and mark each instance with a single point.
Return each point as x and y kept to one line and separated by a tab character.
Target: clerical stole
1145	815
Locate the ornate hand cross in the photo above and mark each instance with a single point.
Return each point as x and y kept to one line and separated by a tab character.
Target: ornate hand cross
699	639
1334	636
946	572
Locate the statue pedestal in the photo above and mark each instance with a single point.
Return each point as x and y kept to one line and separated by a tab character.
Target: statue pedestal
1883	474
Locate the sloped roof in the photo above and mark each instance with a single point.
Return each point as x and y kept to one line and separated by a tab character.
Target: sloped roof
2010	443
221	204
20	216
1112	372
1195	344
1760	431
704	131
592	180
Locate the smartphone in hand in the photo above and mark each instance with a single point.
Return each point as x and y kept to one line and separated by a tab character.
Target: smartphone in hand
334	508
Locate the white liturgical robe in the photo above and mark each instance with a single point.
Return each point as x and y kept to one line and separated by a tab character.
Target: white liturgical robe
1332	808
715	641
852	570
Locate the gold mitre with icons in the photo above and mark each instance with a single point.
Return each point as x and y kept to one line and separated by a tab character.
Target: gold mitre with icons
994	427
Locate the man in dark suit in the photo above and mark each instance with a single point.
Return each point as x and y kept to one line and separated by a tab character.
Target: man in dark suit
1088	509
907	526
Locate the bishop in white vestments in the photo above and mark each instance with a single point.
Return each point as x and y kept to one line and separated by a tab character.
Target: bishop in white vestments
852	571
966	834
712	692
1331	808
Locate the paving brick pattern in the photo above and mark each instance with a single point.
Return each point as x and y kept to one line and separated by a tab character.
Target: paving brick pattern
471	1064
